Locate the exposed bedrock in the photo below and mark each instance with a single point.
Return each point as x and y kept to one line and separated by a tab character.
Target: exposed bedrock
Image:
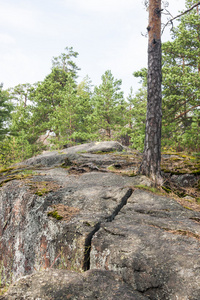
153	243
71	229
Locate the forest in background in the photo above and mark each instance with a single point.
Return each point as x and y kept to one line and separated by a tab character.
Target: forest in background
72	113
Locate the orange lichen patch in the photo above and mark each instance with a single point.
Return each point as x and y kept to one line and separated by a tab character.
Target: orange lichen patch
17	211
107	263
44	252
65	212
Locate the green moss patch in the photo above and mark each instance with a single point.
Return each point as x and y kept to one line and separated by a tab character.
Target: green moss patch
67	163
15	173
150	189
180	163
198	200
14	177
63	212
54	214
41	188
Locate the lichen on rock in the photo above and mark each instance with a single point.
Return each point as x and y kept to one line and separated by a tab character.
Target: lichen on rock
122	239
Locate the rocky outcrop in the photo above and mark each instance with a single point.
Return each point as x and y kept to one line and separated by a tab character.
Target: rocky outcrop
64	211
153	243
53	158
63	284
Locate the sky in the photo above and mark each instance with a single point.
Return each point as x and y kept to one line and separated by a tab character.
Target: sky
107	34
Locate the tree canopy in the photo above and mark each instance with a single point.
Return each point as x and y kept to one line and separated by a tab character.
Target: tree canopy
66	111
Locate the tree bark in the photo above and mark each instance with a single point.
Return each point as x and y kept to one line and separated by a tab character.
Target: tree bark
198	38
150	165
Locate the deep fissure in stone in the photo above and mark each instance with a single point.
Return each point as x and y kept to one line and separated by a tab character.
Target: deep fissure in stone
88	241
119	207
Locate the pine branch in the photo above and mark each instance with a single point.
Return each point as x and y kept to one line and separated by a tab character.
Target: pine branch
182	114
186	111
183	13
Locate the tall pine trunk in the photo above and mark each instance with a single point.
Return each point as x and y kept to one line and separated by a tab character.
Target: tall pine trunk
198	39
150	165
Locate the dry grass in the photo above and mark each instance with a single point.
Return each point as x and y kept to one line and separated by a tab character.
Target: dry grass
65	212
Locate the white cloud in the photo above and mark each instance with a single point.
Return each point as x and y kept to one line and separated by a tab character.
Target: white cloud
102	6
17	17
106	33
18	67
6	39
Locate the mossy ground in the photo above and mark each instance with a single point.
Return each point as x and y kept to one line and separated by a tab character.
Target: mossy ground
127	164
41	188
172	163
158	191
180	163
29	177
19	176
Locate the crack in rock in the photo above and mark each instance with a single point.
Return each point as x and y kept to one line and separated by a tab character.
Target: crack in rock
88	241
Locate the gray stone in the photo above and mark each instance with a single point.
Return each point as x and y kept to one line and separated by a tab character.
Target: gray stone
36	240
62	284
108	146
54	158
153	243
73	214
185	180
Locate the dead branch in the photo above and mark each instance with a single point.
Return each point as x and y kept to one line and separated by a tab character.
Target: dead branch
186	111
182	114
183	13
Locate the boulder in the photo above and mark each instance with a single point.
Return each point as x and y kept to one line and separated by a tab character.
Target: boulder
185	180
53	158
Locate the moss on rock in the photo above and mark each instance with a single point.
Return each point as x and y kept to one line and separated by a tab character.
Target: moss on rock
54	214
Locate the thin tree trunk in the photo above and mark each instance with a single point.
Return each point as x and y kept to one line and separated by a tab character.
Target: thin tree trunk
150	165
185	105
198	39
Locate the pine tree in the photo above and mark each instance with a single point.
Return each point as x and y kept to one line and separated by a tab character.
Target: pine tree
152	148
51	93
5	109
108	105
65	62
181	80
136	112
